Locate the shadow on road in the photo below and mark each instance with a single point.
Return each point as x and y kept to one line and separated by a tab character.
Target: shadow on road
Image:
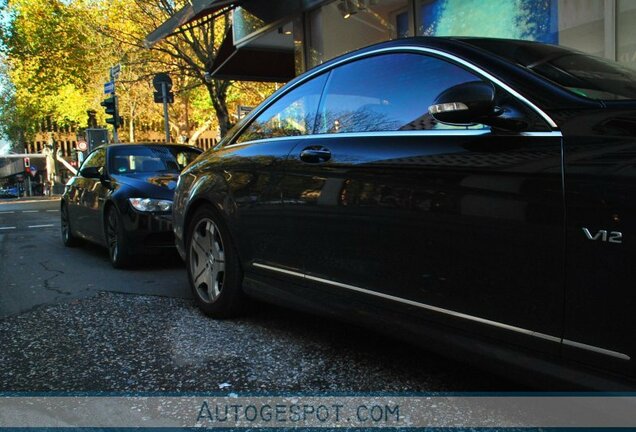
161	259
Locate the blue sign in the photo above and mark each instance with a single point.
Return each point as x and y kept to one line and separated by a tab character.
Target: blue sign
109	87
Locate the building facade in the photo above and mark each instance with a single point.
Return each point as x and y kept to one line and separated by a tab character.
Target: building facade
311	32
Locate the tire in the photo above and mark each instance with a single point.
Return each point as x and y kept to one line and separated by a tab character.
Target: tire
118	249
68	238
213	266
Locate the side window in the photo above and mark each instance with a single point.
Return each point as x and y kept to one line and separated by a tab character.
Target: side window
390	92
293	114
95	159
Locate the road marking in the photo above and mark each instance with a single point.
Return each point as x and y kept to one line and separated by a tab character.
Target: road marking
7	212
52	211
7	228
41	226
30	211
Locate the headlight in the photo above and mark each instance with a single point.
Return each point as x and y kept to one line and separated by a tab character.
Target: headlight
150	205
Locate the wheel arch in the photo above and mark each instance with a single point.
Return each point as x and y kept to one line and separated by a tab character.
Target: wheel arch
222	216
195	205
107	206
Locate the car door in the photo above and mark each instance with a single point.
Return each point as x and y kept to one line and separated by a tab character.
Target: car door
462	226
600	167
253	168
91	193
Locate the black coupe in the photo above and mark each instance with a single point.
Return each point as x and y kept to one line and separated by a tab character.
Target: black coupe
122	198
477	196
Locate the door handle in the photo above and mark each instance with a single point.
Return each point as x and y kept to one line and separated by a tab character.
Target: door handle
315	154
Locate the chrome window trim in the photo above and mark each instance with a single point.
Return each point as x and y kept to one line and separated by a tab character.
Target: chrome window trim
409	48
446	311
431	132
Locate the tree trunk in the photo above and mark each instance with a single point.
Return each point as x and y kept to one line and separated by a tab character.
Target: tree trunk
198	131
218	94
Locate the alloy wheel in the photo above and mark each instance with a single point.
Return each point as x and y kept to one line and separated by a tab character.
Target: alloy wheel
207	260
112	229
66	234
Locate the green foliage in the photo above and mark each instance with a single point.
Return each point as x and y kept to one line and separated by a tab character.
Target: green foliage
51	59
57	54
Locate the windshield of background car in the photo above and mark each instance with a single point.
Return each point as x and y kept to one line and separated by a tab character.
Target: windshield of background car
583	74
148	159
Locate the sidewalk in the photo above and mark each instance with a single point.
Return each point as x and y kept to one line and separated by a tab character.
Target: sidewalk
27	200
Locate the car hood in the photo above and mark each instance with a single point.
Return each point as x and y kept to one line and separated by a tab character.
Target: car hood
162	184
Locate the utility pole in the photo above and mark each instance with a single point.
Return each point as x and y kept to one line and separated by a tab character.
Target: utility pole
166	119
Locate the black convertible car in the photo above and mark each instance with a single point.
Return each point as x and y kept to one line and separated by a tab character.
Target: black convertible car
476	196
122	198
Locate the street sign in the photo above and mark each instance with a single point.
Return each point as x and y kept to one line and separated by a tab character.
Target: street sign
115	71
34	170
243	111
109	87
82	146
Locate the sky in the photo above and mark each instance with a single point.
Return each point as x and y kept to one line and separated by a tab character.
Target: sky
4	146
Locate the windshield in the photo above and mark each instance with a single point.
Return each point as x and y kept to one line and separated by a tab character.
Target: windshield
149	159
583	74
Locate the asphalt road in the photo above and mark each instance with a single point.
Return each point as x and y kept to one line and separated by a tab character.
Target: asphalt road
37	269
70	322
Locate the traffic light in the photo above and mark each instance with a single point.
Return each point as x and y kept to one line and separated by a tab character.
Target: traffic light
27	162
110	106
158	96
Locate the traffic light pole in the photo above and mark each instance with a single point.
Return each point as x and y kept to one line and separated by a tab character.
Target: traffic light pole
166	119
115	135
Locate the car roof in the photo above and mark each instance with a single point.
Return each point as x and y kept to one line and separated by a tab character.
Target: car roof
536	88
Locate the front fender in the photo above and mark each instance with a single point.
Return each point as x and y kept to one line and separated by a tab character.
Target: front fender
192	192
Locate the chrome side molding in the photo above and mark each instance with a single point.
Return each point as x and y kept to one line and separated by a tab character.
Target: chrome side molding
448	312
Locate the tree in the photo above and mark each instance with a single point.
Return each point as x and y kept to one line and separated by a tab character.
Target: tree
189	54
58	53
13	124
51	59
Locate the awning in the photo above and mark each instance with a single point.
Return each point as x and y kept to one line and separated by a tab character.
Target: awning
252	64
197	9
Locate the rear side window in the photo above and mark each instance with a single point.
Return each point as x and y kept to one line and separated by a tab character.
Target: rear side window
390	92
291	115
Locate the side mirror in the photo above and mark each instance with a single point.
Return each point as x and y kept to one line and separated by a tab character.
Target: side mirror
465	104
91	172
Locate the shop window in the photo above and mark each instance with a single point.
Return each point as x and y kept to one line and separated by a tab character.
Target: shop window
346	25
387	93
402	24
626	33
578	24
293	114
